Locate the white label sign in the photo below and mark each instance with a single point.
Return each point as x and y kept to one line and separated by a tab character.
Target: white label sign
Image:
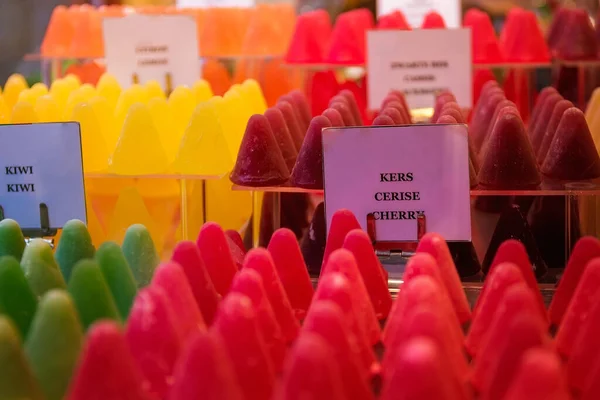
415	10
420	63
41	163
398	173
164	48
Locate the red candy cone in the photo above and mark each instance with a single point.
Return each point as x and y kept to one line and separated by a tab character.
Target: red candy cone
214	250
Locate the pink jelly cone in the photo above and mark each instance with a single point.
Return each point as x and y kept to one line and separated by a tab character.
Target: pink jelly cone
310	39
343	261
334	117
513	251
261	261
342	222
172	280
585	250
557	113
292	123
572	154
440	100
235	237
397	105
539	104
383	120
248	282
187	255
106	368
498	281
300	103
435	245
359	244
326	320
585	352
539	376
453	109
584	298
537	131
402	99
358	88
517	304
154	338
481	77
282	136
214	250
393	20
523	334
259	162
342	106
418	373
311	372
485	46
509	161
291	270
482	116
521	39
204	371
394	114
433	20
237	324
427	322
577	40
353	105
308	171
349	36
336	288
503	107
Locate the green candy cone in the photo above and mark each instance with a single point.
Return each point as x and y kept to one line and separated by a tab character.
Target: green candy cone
12	242
75	244
40	268
54	343
140	253
16	378
118	276
17	300
91	294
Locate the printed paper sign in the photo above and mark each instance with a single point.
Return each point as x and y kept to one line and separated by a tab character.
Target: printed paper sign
398	173
214	3
41	163
415	10
164	48
420	63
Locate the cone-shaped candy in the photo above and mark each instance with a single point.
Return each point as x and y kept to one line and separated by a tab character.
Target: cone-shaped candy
118	276
342	222
54	343
251	363
14	85
75	244
259	162
577	39
140	253
513	251
394	114
154	338
453	109
12	242
310	38
23	113
40	268
308	171
282	136
93	147
300	103
485	44
291	269
171	279
584	298
311	372
482	116
539	104
139	149
393	20
46	109
509	160
358	242
17	300
521	39
433	20
106	368
440	100
291	120
572	154
539	377
537	131
342	106
204	371
91	294
435	245
334	117
261	261
252	91
182	101
343	261
215	253
383	120
349	36
187	255
498	281
202	90
17	380
154	89
353	105
557	113
249	283
418	373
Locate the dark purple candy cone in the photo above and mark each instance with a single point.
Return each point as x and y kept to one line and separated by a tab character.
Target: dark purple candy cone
308	171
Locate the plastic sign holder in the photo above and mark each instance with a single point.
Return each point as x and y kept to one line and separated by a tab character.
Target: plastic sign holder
41	184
